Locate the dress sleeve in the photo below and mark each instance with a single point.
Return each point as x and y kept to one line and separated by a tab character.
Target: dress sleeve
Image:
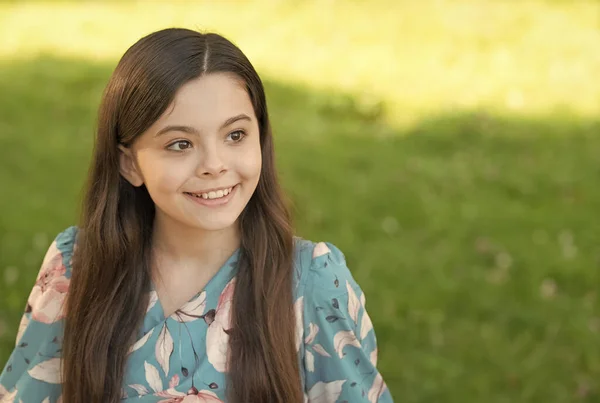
32	372
340	346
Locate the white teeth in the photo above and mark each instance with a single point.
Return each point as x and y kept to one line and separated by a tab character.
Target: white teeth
214	195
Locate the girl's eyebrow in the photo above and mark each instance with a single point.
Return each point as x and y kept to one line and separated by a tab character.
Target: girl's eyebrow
194	131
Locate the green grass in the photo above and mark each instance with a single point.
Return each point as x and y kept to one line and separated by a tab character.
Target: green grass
451	149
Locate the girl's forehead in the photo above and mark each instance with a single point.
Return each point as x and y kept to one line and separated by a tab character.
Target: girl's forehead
206	102
208	93
212	84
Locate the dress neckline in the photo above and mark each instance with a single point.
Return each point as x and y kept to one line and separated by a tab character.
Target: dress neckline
216	284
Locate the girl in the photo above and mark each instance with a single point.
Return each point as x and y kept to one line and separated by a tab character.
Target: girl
184	282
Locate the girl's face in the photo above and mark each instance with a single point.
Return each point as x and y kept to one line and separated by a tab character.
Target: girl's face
201	160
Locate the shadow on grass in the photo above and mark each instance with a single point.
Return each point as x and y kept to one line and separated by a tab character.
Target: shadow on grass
473	235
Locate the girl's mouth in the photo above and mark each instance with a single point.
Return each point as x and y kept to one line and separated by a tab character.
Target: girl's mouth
218	198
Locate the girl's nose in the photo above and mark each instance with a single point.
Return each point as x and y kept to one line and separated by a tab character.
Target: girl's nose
211	164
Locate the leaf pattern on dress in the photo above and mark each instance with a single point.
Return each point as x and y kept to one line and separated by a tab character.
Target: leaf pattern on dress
47	371
377	389
138	344
192	310
366	325
152	300
217	340
320	249
298	313
312	333
353	303
342	339
323	392
319	349
140	389
164	348
153	377
172	396
310	361
373	357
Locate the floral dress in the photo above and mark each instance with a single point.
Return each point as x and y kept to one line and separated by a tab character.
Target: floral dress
182	358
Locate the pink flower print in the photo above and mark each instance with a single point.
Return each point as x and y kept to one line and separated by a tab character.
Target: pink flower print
192	396
6	396
217	339
172	395
50	290
204	396
174	381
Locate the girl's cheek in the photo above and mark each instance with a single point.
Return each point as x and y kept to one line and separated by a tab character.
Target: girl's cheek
170	170
251	162
249	168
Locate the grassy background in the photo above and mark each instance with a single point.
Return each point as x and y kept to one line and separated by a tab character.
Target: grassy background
451	149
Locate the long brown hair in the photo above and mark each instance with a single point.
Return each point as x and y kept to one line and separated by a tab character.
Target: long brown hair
109	287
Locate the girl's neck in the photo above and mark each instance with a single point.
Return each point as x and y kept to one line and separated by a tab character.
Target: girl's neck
178	243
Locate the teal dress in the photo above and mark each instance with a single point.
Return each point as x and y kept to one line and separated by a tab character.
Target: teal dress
183	358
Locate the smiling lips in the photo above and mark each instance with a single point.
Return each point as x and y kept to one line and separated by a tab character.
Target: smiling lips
215	194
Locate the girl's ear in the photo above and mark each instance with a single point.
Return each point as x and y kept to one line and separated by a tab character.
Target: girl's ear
128	167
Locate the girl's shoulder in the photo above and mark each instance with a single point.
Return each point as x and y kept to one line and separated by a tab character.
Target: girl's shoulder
61	250
45	303
57	261
321	267
66	240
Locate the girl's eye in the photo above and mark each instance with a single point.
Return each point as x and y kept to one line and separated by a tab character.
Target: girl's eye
180	145
236	136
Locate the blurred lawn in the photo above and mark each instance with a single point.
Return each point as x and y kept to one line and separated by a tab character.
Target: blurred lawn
450	148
